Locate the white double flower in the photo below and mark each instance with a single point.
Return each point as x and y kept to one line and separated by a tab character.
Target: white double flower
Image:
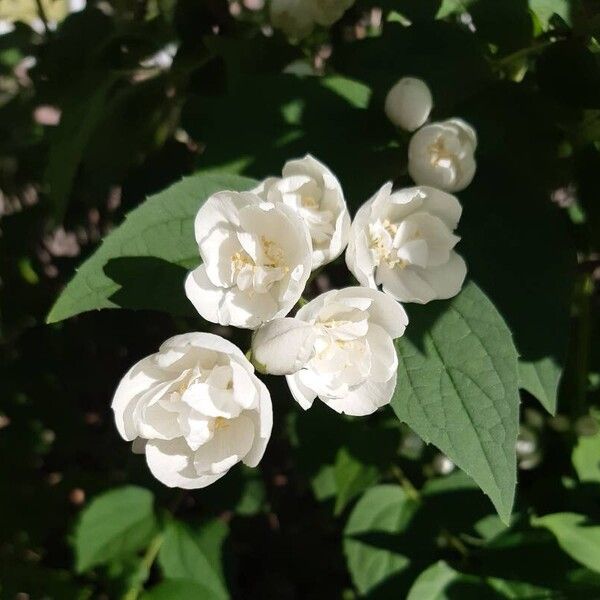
404	240
309	188
256	260
196	409
338	348
443	155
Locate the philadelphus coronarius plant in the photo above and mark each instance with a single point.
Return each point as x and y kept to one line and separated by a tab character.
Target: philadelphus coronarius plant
443	155
408	103
297	18
256	260
196	409
404	241
311	189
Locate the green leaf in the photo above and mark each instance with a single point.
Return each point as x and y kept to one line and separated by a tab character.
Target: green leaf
114	525
544	9
384	511
432	583
575	535
195	555
541	378
143	263
178	589
441	582
586	458
458	389
351	478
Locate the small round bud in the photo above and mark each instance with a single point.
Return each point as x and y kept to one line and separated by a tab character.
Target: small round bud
409	103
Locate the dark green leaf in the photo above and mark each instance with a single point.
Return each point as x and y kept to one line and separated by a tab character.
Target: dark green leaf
458	389
384	511
351	478
179	589
143	263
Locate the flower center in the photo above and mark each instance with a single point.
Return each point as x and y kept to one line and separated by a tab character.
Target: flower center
309	202
439	155
259	273
384	247
220	423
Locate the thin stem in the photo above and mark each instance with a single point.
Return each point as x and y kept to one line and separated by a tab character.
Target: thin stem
507	60
411	491
144	568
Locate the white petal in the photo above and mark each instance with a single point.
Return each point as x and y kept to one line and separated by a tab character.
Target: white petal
216	250
184	343
303	395
229	444
283	346
263	425
142	377
205	296
383	311
244	384
171	462
442	205
365	399
406	285
384	360
447	279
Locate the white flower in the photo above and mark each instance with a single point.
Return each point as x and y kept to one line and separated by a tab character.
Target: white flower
353	364
327	12
293	17
409	103
443	155
196	408
256	259
282	346
403	241
312	190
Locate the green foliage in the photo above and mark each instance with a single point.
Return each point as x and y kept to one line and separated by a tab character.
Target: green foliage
189	554
458	389
340	507
579	538
586	458
155	244
383	511
114	526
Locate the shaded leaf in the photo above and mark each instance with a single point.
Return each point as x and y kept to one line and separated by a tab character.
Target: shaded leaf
586	458
195	555
178	589
386	510
351	478
114	525
143	263
576	536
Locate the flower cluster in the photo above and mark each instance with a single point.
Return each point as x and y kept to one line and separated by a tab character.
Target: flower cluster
196	407
297	18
